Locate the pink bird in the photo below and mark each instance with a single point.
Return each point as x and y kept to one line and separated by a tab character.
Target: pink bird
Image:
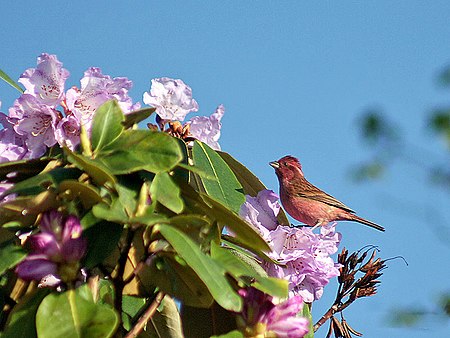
307	203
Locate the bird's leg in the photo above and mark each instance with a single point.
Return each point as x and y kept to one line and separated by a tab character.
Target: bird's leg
318	224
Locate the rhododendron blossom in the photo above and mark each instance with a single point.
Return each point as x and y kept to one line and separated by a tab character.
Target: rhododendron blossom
46	82
304	255
207	129
56	251
36	122
45	115
12	145
261	317
97	88
172	99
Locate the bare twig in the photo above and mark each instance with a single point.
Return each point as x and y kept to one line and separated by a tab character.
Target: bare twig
146	316
351	288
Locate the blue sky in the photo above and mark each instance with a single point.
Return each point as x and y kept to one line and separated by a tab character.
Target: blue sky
294	78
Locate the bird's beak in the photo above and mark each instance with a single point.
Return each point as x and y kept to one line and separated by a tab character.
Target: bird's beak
274	164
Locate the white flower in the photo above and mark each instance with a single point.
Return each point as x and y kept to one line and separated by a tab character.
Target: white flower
171	98
207	129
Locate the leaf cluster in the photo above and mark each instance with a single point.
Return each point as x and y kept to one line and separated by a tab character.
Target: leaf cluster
158	215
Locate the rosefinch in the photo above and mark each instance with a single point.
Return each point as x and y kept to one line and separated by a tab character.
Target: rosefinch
307	203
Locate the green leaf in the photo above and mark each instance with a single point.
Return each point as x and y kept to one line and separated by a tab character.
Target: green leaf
10	255
225	187
112	213
97	171
231	334
141	150
10	81
23	168
238	245
178	280
306	312
137	116
132	305
242	230
41	182
209	272
102	240
236	263
250	183
239	265
106	125
198	322
70	314
197	171
26	208
166	192
197	227
21	321
166	322
85	192
123	208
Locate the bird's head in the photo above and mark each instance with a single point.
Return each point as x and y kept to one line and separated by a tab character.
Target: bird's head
287	168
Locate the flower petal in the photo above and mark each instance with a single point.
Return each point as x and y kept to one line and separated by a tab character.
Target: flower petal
35	267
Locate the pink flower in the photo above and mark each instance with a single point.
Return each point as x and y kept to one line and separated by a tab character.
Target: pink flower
46	82
95	90
36	122
262	210
12	145
67	132
260	317
171	98
207	129
55	252
305	256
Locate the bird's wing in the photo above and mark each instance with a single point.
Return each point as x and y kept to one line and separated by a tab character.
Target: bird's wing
310	191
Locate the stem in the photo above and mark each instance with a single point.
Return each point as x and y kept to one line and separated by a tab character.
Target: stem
330	313
118	280
148	314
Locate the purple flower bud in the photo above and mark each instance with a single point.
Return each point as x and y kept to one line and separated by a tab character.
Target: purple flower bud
55	252
260	315
36	267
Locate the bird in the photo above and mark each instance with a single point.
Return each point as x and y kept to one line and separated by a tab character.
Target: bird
307	203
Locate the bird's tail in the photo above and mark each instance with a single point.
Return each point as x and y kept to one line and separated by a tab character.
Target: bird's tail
367	222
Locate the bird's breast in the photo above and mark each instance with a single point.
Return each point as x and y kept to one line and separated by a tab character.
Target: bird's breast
306	210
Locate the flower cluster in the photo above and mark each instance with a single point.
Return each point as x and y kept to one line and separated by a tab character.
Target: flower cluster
45	114
304	256
173	101
260	317
55	252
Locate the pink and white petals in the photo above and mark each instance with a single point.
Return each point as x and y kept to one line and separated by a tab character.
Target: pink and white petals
207	129
172	99
35	122
46	82
304	255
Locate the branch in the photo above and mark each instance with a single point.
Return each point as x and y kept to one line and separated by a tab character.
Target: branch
147	315
351	288
118	281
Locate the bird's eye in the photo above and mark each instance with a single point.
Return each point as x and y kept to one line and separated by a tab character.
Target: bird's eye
285	164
